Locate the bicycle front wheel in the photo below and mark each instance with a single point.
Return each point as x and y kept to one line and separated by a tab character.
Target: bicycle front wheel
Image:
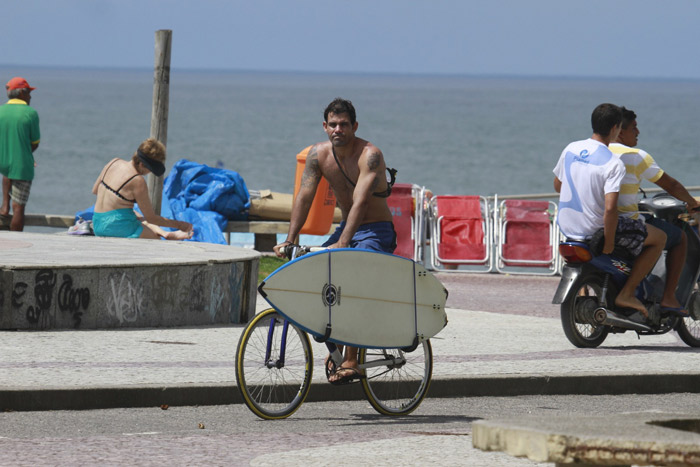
274	366
399	384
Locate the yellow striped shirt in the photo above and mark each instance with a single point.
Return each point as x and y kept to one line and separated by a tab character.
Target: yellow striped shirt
639	166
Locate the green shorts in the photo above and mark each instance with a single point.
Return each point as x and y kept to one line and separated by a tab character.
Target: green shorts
117	223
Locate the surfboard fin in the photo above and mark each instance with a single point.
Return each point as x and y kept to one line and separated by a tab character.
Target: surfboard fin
326	336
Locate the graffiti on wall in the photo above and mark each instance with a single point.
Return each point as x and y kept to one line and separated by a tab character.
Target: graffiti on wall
161	290
125	298
38	312
37	307
193	298
73	299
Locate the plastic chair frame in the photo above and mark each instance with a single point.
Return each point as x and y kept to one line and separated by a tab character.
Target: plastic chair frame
436	261
553	265
420	221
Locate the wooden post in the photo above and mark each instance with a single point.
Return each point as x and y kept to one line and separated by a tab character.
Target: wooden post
159	113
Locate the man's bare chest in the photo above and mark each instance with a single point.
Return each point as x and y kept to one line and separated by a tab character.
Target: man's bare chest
341	174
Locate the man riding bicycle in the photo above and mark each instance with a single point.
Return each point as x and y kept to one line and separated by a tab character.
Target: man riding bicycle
355	170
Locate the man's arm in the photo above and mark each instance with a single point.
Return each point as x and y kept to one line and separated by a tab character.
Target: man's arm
371	167
557	185
610	217
310	179
676	189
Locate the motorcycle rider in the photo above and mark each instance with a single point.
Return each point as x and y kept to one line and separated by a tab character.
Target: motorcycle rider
640	165
588	178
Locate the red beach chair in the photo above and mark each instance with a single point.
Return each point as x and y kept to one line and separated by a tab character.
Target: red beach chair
528	236
407	219
460	233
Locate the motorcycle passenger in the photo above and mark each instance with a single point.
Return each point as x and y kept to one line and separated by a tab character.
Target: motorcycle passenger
588	178
640	165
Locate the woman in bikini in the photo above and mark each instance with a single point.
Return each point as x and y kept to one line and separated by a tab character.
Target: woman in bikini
120	185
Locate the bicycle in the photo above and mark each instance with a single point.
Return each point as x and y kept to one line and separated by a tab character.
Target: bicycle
274	367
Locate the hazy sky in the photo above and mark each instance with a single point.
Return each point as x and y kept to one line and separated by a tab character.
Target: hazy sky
608	38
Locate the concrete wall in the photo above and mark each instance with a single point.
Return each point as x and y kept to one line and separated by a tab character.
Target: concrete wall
132	296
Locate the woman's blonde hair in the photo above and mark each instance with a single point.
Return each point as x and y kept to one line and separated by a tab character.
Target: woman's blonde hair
151	148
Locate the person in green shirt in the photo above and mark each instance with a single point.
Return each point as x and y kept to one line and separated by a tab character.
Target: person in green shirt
19	138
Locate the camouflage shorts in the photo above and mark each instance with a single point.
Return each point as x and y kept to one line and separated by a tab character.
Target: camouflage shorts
629	238
630	235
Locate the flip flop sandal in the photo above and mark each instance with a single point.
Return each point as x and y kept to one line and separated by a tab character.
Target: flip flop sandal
676	311
354	375
330	367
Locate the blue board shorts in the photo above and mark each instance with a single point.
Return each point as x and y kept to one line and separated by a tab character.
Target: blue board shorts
376	236
673	233
117	223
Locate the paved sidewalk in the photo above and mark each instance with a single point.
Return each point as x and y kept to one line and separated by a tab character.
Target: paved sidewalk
503	338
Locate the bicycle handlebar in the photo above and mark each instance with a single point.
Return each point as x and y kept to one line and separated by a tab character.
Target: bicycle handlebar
292	251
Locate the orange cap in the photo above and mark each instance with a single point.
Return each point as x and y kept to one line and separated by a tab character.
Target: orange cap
18	83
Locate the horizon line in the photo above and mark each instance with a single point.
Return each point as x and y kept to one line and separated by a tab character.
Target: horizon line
359	73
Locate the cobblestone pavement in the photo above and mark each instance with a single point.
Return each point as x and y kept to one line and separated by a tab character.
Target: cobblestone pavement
473	344
145	449
331	433
499	327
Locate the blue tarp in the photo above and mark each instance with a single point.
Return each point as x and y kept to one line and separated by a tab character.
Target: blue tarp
206	197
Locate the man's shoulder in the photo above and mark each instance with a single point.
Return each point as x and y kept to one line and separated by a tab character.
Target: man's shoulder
369	148
590	150
22	112
320	150
587	144
18	106
619	148
629	154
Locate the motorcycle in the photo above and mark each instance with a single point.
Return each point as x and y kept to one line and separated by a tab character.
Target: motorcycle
589	285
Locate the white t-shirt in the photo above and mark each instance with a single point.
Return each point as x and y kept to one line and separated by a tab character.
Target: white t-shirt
588	170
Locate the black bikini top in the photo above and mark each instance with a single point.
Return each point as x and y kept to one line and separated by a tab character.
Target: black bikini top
379	194
116	192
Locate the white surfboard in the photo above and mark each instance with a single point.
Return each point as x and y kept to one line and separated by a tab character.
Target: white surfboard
370	299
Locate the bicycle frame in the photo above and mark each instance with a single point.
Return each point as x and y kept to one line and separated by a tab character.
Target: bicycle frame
295	251
279	363
332	348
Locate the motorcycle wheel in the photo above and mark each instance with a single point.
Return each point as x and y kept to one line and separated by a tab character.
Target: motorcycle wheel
578	330
689	328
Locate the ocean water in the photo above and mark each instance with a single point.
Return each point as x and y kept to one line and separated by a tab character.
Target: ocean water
451	134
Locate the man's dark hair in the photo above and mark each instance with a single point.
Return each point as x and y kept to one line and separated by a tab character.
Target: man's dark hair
340	106
604	118
628	117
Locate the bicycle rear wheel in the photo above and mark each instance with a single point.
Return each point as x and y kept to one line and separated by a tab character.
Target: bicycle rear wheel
273	367
399	386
